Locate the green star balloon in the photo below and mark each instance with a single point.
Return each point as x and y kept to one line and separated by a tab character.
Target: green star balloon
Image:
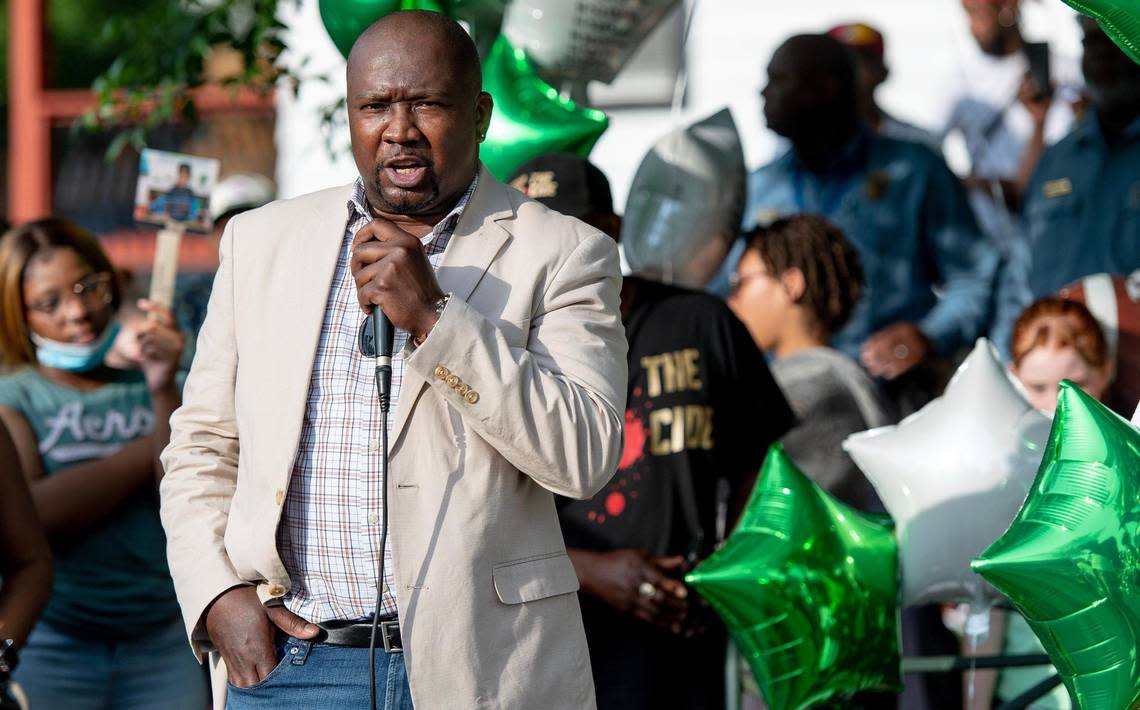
1070	561
530	118
1120	20
808	588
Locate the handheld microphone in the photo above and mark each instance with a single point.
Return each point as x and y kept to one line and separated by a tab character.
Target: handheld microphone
382	336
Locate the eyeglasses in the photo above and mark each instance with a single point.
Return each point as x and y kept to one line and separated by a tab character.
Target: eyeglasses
93	291
735	280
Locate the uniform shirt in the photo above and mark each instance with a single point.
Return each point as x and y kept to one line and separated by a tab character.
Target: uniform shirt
1081	217
907	216
330	526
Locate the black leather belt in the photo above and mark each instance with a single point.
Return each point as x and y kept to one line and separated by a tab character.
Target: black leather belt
358	634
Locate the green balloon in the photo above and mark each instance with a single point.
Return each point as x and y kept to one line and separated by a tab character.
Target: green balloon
429	5
1070	561
808	588
344	20
530	118
1120	20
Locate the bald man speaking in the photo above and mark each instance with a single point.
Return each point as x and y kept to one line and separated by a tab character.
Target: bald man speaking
507	381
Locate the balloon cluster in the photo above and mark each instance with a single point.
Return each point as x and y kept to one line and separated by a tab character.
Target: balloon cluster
580	41
808	588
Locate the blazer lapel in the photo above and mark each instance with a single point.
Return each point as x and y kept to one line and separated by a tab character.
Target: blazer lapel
476	242
306	270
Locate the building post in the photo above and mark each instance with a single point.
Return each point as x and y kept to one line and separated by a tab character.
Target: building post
29	128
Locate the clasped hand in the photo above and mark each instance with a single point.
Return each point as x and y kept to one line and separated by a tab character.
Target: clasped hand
392	271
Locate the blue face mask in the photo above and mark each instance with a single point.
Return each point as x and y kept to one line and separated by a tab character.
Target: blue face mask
75	357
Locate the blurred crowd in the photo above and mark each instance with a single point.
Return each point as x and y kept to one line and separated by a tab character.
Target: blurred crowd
865	270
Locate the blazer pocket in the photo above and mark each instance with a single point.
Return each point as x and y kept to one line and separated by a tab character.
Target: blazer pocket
534	578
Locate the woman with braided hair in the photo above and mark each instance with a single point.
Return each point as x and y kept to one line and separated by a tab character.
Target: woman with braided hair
796	284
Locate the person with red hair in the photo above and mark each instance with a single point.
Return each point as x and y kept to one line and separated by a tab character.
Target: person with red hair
1056	339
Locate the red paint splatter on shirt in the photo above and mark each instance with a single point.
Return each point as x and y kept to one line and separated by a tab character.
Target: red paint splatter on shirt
615	504
635	436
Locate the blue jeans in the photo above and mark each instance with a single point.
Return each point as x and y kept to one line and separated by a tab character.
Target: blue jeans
58	670
318	676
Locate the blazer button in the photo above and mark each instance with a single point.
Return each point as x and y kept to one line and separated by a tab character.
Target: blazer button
452	381
472	397
279	496
462	389
441	372
276	590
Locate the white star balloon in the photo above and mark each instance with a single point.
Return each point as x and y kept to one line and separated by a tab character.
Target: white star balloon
953	476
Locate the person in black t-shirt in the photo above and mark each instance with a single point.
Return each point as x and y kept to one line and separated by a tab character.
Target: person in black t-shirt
702	410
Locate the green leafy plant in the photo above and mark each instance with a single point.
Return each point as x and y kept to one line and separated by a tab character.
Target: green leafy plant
172	48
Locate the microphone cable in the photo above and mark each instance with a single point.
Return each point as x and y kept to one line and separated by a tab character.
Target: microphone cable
382	339
383	539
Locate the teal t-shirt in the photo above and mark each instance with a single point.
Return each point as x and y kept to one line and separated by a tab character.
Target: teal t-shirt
111	580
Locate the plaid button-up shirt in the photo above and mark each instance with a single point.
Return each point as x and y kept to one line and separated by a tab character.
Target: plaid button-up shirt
330	526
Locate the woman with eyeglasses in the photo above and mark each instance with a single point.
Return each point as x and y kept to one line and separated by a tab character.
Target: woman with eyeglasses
796	284
89	436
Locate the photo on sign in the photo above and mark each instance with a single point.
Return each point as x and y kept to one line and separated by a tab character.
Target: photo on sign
174	190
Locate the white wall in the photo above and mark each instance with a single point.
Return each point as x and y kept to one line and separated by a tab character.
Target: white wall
304	163
729	46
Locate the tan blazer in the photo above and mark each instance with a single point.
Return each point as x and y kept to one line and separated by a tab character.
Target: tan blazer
488	611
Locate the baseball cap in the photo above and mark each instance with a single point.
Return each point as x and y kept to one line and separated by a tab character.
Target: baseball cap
240	191
565	182
859	37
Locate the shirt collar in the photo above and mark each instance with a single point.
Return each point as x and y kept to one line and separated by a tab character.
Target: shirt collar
358	207
1089	129
848	160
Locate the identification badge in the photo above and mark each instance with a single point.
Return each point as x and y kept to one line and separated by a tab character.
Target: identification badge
1057	188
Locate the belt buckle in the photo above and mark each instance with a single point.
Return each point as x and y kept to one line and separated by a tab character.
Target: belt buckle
390	635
